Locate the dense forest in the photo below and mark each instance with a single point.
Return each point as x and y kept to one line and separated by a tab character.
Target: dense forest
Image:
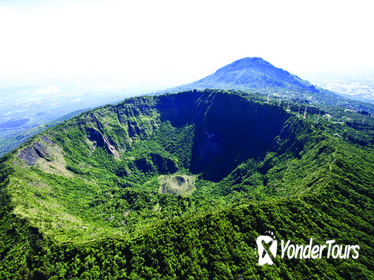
179	186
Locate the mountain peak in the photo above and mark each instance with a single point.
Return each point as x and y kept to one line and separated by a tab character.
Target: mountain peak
247	62
257	75
253	73
251	60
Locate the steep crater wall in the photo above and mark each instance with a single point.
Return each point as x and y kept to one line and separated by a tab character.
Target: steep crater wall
229	129
226	130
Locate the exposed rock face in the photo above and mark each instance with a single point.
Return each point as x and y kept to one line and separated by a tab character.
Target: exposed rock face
29	155
99	140
96	137
111	148
42	151
37	150
46	140
46	155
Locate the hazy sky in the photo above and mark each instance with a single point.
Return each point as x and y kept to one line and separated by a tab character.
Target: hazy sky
173	42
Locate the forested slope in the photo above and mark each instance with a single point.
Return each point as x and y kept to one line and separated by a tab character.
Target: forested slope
86	199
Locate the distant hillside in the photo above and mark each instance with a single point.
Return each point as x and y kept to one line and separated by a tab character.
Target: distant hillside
352	85
254	73
12	141
257	75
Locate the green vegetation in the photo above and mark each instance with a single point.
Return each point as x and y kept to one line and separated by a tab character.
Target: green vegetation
179	186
